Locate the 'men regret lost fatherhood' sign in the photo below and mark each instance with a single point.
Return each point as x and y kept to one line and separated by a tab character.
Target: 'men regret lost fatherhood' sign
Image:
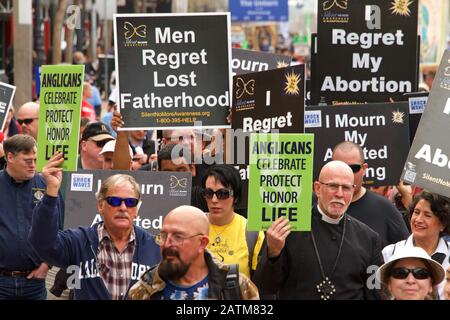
173	70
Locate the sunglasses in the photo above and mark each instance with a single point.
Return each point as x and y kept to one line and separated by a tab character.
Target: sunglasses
26	121
355	167
402	273
221	194
117	202
101	143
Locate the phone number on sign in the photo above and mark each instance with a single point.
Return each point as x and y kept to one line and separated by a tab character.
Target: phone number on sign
176	120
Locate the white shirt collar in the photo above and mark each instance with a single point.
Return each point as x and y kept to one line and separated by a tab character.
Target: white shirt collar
327	219
441	247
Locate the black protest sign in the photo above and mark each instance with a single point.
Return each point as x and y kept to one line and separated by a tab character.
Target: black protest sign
366	51
381	130
428	164
6	95
247	61
263	102
173	70
160	193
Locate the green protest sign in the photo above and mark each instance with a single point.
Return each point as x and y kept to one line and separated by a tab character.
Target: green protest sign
280	183
59	114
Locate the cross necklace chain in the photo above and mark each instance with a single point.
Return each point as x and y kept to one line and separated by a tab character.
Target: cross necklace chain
326	287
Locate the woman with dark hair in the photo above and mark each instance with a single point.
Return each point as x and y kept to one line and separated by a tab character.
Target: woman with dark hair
430	216
229	242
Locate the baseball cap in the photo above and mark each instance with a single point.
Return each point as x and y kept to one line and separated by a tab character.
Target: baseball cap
436	269
110	145
96	131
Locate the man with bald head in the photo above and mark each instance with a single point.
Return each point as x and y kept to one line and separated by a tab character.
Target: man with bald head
334	260
27	116
187	270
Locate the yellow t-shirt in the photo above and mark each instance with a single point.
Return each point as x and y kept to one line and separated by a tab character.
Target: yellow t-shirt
228	244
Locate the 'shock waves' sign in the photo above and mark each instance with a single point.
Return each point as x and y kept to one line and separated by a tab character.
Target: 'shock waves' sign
366	51
173	70
428	163
380	129
160	193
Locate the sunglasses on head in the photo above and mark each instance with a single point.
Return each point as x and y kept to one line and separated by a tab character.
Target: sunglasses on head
402	273
221	194
355	167
26	121
117	202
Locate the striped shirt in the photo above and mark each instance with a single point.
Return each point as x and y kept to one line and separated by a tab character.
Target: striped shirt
114	266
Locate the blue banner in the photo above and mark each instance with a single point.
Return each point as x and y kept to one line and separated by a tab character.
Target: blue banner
258	10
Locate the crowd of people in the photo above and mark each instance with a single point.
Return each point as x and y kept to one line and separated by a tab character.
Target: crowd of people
363	244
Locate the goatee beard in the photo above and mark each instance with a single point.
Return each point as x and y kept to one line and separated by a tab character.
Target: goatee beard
172	270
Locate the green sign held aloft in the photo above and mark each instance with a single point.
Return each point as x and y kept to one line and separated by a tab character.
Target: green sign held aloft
280	183
59	114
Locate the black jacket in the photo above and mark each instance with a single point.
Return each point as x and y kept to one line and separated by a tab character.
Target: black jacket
296	272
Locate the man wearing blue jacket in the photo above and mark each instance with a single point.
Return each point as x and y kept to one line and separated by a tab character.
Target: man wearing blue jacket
105	259
22	271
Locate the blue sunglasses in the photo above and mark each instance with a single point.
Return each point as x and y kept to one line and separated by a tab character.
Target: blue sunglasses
117	202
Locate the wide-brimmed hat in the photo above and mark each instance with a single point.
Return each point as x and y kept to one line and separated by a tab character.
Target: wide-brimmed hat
436	269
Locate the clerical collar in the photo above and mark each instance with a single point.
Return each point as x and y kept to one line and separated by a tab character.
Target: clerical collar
327	219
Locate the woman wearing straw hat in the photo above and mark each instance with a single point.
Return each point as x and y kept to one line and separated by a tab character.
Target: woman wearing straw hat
430	216
411	274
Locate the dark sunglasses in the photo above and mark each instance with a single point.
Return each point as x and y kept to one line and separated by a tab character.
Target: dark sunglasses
355	167
402	273
117	202
26	121
101	143
221	194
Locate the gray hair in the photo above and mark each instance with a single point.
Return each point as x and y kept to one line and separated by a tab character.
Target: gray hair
117	180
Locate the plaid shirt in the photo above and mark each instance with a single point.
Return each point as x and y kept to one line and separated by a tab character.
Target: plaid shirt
114	266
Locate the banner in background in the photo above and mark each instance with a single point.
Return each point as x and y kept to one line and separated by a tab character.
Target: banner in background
160	193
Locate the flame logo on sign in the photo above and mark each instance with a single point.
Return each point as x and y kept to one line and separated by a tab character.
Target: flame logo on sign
291	84
244	87
401	7
327	5
175	182
397	116
130	30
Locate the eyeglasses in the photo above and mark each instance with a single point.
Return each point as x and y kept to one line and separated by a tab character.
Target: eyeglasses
355	167
26	121
334	187
101	143
221	194
117	202
177	239
402	273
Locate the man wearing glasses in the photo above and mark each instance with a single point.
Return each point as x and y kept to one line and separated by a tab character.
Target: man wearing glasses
22	271
366	206
107	258
27	117
187	270
334	260
94	138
